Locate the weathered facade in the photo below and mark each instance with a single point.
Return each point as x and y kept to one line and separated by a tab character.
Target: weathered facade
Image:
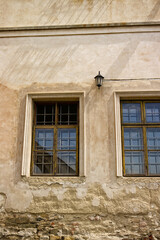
54	49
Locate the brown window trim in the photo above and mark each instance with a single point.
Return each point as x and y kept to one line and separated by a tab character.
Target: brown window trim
56	126
142	125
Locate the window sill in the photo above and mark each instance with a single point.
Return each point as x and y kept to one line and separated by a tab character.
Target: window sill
139	180
48	180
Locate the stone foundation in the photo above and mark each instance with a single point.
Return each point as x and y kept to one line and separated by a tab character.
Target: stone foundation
50	226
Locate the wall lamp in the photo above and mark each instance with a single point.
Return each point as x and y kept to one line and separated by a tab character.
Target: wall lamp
99	80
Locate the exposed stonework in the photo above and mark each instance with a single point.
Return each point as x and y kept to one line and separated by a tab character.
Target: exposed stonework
2	201
76	227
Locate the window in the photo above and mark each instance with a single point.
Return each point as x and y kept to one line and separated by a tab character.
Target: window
58	118
55	138
140	123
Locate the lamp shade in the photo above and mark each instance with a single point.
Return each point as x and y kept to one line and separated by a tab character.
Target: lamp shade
99	80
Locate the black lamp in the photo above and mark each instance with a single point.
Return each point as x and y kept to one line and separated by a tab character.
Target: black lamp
99	80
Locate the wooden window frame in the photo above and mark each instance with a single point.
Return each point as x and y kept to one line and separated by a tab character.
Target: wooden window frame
127	95
28	128
143	125
55	149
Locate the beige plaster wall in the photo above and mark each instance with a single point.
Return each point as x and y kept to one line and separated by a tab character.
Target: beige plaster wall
15	13
26	61
44	64
100	205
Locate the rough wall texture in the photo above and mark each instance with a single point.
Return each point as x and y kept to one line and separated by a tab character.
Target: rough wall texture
99	206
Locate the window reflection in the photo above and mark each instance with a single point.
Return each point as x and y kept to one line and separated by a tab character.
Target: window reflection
152	112
67	162
134	162
133	138
44	139
43	162
131	112
141	137
67	139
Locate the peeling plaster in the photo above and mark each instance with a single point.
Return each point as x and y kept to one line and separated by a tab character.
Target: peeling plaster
41	192
59	193
96	201
81	192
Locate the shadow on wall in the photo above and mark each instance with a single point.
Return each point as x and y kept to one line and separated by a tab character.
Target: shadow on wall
122	59
154	11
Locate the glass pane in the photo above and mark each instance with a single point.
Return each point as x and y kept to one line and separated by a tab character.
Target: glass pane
43	162
40	119
45	114
40	108
64	120
38	158
38	168
47	168
67	163
73	108
154	163
152	112
48	157
43	157
134	162
49	109
67	114
44	139
73	119
64	108
131	112
48	119
67	139
153	138
49	144
133	139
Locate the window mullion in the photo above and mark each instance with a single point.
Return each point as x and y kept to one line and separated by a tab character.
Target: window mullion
33	139
55	139
123	153
145	150
33	149
145	139
44	115
55	151
142	112
68	113
122	140
77	144
34	116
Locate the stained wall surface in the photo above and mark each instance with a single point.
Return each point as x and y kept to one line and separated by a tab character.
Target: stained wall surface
51	12
99	205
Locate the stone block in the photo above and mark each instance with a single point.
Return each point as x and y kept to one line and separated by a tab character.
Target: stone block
61	238
44	237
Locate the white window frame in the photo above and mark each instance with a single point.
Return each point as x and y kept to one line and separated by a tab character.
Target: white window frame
117	98
28	128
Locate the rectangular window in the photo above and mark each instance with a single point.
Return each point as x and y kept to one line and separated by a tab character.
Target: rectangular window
140	122
55	139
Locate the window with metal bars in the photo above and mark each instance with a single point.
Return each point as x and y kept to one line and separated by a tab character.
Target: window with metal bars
55	139
140	121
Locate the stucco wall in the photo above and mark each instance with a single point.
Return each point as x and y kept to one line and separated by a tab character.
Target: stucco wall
99	205
51	12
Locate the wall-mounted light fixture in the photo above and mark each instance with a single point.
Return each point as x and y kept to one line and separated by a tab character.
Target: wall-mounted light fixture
99	80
